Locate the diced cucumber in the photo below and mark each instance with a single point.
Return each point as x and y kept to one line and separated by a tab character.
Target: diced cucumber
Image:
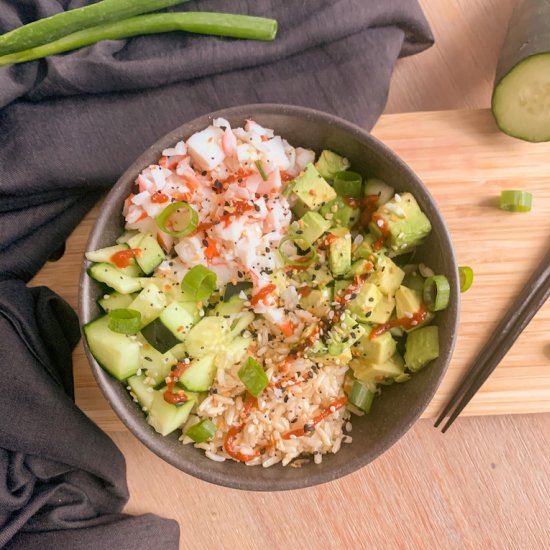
375	186
117	353
157	365
149	302
105	254
158	336
115	300
233	353
241	322
165	417
151	253
126	236
111	276
230	307
207	336
200	375
142	392
178	318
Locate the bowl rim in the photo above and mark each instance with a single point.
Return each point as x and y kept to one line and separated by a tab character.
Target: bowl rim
106	382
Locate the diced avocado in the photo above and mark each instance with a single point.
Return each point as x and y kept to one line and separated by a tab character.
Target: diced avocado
344	334
149	302
378	350
360	267
407	302
339	252
115	300
340	213
366	300
341	285
117	353
382	312
387	275
317	302
165	417
157	365
377	373
406	223
178	318
330	163
141	391
310	191
200	375
365	251
312	225
316	276
325	358
422	346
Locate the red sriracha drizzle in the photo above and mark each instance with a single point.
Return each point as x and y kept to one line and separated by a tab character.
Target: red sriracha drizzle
263	293
309	426
159	198
404	322
122	259
384	230
234	431
169	395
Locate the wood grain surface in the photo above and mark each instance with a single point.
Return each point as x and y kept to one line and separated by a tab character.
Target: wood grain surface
465	162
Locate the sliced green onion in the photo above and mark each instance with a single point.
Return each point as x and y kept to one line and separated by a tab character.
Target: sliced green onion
436	292
199	283
260	168
360	396
253	376
515	201
178	219
298	261
466	274
125	321
201	432
348	184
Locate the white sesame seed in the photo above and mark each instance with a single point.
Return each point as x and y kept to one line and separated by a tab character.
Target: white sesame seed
409	315
380	223
397	197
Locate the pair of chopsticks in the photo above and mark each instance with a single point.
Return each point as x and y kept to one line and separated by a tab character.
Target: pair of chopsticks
530	300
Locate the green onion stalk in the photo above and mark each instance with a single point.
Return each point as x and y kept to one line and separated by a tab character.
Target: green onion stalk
219	24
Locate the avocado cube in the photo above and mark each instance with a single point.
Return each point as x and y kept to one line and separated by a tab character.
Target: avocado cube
317	302
310	191
329	164
407	301
325	358
344	334
365	251
377	350
360	267
406	223
339	252
366	300
317	276
422	346
369	373
382	312
340	213
341	285
312	225
387	275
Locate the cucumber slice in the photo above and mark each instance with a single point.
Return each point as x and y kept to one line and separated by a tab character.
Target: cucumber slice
241	322
230	307
111	276
142	392
158	336
149	302
126	236
521	97
374	186
105	254
200	375
151	253
207	336
179	318
164	417
115	300
117	353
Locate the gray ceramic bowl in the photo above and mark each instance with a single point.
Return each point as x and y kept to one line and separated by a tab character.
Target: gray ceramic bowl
399	406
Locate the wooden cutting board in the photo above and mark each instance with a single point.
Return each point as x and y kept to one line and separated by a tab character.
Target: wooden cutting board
465	162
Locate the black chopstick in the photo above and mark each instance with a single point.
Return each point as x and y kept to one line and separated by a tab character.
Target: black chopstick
530	300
